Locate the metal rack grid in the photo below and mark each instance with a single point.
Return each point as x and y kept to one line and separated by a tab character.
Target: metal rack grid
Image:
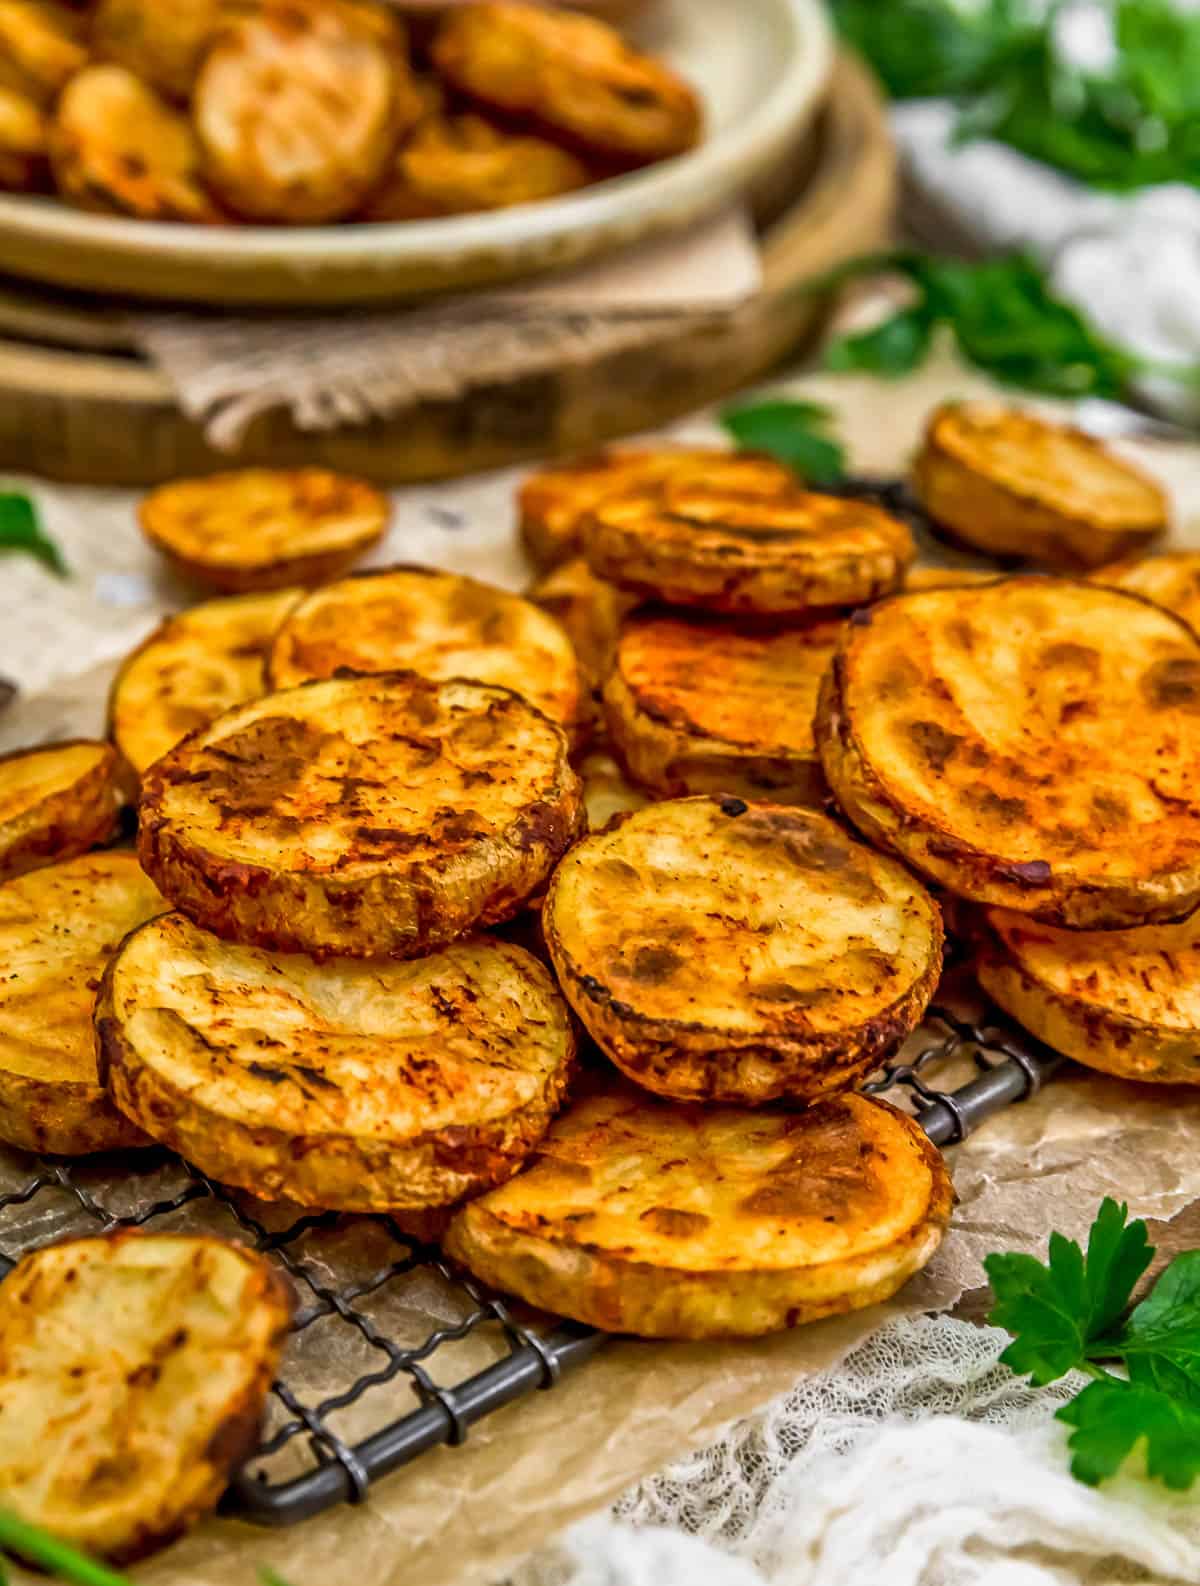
531	1354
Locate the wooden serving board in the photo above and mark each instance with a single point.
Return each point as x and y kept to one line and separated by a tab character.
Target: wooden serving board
76	405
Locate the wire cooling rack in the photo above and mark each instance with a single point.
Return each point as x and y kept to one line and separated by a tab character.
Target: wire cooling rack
308	1460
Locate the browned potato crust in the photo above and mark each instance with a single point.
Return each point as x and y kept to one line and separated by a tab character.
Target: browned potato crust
133	1372
681	1222
441	625
194	665
118	148
58	928
574	75
347	1085
264	528
1012	484
700	704
55	802
297	110
1032	743
41	48
1171	580
364	816
724	951
553	503
163	44
1125	1002
782	554
455	165
24	143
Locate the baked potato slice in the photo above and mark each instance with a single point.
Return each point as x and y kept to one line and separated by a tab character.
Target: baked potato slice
682	1222
606	789
42	46
721	549
723	951
297	110
58	928
133	1373
698	704
55	802
194	665
574	76
24	143
364	816
553	503
589	610
116	147
438	624
1013	484
1032	743
1171	580
264	528
345	1085
161	44
919	578
1124	1002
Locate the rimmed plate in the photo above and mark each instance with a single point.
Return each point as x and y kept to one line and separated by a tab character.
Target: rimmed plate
760	66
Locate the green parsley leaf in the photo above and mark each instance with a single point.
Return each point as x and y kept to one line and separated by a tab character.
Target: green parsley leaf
35	1546
896	347
1160	1343
270	1577
21	530
1111	1418
797	433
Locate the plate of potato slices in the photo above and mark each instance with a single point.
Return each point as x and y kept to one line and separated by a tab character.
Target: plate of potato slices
324	151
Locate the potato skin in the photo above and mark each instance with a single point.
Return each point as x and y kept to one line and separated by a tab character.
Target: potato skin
219	834
1012	484
718	950
259	1099
64	819
160	1487
1039	863
674	1222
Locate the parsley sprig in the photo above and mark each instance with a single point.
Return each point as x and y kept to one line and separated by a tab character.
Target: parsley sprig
21	530
1066	1315
32	1545
800	434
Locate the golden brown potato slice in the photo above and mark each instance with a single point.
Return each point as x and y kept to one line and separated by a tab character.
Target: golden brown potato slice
681	1222
117	147
919	578
191	668
264	528
297	110
725	951
58	928
719	549
55	802
1032	743
367	816
701	704
574	75
42	46
1012	484
554	502
606	790
161	44
344	1085
455	165
133	1372
438	624
24	143
588	609
1171	580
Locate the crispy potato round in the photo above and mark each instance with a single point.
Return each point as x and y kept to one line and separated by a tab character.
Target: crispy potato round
133	1372
41	48
589	610
1032	743
118	148
554	502
194	665
441	625
718	548
456	165
365	816
574	75
724	951
161	44
1012	484
1171	580
1125	1002
352	1086
55	802
24	143
297	111
264	528
681	1222
701	704
58	928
